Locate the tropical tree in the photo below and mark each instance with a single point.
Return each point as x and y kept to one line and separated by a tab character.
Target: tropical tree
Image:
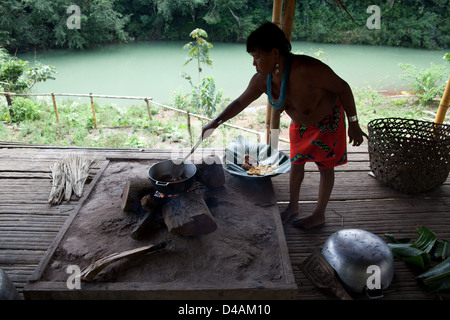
17	76
203	96
38	24
199	50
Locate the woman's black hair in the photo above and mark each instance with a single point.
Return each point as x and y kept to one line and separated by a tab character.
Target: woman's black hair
267	37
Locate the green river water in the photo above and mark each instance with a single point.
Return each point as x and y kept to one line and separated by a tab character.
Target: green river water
152	69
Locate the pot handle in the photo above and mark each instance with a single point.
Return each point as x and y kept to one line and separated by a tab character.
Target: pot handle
373	293
162	184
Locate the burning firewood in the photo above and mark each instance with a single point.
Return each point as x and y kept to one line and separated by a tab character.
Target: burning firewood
135	188
188	215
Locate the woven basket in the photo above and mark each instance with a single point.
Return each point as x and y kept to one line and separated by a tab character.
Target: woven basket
409	155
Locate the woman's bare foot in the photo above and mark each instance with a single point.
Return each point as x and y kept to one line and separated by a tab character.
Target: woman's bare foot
313	221
289	212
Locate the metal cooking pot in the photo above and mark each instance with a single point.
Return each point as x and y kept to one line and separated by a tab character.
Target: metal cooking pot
362	260
162	169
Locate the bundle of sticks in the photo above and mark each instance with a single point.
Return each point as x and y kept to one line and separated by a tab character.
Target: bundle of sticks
69	175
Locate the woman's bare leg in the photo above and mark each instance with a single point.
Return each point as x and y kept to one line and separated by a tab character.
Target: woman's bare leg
317	218
296	176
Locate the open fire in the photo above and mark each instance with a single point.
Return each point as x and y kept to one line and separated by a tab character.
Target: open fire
196	187
185	213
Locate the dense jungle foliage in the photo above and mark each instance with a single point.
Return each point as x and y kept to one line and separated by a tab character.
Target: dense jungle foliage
42	24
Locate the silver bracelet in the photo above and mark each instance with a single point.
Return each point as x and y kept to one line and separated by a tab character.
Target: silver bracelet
219	121
353	118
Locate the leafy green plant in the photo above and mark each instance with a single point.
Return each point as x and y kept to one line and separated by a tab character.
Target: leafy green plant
205	97
181	100
120	121
417	253
90	123
17	76
437	278
424	83
421	253
135	142
22	109
199	49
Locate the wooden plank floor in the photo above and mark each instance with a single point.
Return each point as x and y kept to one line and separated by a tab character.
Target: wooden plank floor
28	224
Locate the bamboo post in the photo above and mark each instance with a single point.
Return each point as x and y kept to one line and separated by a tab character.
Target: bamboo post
93	109
288	18
276	19
148	109
188	114
276	12
443	106
55	107
286	25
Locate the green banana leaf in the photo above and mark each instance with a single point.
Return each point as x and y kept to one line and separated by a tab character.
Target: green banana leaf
426	239
437	278
421	252
391	237
410	254
441	249
417	253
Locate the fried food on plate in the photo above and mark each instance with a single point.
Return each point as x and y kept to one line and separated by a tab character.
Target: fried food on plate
252	167
261	170
249	162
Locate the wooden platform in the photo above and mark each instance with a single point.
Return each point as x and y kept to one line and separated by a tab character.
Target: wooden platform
28	224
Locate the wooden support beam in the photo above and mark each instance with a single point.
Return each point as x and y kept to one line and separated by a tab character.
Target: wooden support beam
287	22
55	107
288	18
276	19
443	106
277	11
93	109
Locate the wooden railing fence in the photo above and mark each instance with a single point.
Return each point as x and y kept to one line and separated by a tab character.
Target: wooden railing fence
147	100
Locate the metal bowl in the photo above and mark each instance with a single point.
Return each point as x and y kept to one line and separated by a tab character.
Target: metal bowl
362	260
163	168
264	154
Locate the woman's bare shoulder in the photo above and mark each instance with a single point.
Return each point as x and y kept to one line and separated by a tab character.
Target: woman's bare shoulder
258	82
306	61
309	66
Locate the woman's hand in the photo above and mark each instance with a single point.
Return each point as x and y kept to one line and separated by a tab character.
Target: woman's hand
208	129
355	134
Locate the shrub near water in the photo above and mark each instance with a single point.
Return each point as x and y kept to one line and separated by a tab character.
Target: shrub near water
425	83
35	122
22	109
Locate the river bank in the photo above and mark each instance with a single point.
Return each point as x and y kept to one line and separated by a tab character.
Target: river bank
131	127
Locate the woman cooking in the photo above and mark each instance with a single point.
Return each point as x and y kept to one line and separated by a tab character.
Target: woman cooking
315	98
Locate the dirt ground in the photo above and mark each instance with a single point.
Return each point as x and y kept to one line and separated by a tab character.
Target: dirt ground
244	250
